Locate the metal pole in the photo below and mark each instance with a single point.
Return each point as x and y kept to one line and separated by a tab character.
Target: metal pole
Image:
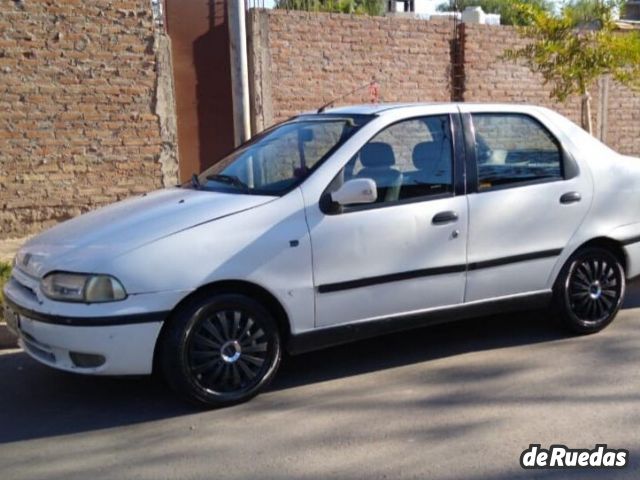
239	71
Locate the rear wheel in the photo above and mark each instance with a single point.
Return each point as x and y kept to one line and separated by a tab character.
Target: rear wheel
590	290
221	350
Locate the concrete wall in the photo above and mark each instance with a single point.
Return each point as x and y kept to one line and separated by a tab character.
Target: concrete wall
86	108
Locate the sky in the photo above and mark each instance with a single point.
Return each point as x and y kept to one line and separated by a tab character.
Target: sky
427	6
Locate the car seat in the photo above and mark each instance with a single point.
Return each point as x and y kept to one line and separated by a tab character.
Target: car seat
378	160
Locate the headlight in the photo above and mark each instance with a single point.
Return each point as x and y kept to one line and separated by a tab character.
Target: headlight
76	287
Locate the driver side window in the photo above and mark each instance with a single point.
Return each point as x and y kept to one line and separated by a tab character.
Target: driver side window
409	159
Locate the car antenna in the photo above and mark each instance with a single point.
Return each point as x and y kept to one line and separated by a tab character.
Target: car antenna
373	84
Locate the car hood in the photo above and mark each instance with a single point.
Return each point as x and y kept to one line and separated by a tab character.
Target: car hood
83	243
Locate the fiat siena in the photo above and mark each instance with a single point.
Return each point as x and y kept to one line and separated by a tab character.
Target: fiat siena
331	227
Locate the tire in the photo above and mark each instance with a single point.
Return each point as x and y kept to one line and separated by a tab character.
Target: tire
589	290
220	350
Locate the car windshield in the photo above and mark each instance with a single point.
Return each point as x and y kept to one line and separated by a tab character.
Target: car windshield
280	158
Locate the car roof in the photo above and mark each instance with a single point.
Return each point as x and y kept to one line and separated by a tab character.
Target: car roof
382	108
373	108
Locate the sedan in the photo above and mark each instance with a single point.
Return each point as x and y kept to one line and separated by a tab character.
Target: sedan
329	227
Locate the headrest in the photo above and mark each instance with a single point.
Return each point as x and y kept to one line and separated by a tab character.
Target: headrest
425	153
376	155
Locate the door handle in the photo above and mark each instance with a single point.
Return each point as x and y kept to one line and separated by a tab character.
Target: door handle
570	197
444	217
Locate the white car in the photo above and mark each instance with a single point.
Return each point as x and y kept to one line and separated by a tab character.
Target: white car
330	227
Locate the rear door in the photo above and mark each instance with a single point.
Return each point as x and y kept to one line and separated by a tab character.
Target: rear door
526	200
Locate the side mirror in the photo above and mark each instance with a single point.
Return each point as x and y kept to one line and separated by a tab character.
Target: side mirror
357	190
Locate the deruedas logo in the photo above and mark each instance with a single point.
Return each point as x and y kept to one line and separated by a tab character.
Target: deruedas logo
560	456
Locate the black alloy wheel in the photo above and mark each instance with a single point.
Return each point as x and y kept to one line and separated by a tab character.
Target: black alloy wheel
222	350
590	290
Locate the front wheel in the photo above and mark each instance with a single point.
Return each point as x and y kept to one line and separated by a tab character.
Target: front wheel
590	290
220	350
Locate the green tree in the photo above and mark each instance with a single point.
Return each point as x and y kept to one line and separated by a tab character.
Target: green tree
509	13
585	11
572	51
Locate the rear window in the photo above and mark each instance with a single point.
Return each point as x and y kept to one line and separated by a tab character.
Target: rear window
513	149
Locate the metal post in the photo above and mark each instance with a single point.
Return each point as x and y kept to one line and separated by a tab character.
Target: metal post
239	71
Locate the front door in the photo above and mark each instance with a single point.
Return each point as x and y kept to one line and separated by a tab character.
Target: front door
407	251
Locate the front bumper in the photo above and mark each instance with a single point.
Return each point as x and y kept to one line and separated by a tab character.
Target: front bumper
109	349
116	338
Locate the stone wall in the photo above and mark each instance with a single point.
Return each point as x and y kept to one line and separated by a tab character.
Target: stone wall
86	108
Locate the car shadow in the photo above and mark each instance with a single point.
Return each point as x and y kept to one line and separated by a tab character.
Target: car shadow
38	402
429	343
422	345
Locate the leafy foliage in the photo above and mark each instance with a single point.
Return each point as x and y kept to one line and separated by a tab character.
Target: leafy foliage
5	273
584	11
364	7
509	13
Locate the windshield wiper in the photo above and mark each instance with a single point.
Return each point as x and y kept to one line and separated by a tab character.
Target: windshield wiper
229	180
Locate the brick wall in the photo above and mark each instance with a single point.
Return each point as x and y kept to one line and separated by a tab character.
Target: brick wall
301	60
80	109
86	100
488	78
623	119
315	57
